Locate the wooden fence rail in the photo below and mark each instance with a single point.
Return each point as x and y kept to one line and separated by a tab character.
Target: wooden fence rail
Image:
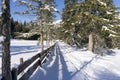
31	65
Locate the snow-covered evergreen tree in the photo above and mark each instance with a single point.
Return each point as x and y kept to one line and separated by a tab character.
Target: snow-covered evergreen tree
66	17
44	11
88	18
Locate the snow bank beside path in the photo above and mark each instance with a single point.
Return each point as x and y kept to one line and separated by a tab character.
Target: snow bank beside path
20	49
92	67
69	63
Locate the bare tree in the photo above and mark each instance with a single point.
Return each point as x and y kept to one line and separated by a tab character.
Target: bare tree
6	73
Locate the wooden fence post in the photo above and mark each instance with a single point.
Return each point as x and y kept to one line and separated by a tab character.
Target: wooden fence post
40	60
42	56
21	60
14	73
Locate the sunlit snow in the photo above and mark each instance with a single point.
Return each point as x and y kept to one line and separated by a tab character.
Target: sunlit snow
67	63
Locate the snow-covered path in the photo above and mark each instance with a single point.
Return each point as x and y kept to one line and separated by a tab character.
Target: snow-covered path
56	68
68	63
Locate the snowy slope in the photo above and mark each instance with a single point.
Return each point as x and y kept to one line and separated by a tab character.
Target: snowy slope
78	64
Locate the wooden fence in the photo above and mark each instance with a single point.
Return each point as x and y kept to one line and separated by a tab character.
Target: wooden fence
31	65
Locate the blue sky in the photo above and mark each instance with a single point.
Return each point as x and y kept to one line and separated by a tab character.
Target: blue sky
23	18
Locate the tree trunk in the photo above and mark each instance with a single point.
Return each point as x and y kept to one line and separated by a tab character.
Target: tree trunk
90	44
42	43
48	38
6	71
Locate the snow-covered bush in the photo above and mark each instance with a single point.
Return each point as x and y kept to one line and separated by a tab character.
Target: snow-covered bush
28	36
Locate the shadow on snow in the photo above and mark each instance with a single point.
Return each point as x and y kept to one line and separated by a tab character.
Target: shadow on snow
51	70
16	50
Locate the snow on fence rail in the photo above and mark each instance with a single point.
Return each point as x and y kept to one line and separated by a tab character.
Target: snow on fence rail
31	65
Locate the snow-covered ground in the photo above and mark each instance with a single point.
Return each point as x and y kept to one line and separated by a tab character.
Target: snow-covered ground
68	63
21	49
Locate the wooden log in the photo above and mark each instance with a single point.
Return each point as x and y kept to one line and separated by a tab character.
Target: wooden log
30	71
14	73
24	65
21	60
40	60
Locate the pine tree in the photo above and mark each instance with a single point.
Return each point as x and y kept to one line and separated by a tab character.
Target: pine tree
94	14
88	18
6	69
68	13
0	25
44	11
115	33
45	16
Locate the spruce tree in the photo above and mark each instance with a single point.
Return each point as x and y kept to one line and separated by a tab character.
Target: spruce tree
88	18
94	14
66	17
6	68
44	12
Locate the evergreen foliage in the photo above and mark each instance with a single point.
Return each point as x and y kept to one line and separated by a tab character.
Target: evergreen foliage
80	18
44	10
19	27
